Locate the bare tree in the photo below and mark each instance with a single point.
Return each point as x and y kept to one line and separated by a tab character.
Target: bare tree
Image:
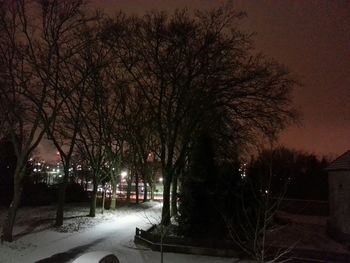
64	29
140	135
4	111
44	38
99	136
186	66
28	60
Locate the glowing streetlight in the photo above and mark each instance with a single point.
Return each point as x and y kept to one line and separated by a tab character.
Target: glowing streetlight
161	179
124	174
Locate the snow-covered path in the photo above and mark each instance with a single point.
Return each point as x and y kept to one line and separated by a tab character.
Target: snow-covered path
115	235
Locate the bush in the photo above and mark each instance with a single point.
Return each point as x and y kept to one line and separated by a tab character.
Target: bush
207	191
36	194
76	193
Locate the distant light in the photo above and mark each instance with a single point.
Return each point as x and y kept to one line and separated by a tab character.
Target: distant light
149	157
266	192
60	175
161	179
35	170
53	169
124	174
47	167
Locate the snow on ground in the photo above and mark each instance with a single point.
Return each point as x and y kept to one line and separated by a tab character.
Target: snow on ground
304	232
37	241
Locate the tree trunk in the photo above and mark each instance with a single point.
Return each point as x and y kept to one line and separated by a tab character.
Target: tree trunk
103	200
62	198
167	176
152	191
82	183
145	189
92	212
86	181
174	196
114	195
137	187
12	211
128	191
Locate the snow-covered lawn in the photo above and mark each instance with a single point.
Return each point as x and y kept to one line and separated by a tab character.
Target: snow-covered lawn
37	241
305	232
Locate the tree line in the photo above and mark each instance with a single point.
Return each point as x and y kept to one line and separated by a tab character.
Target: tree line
116	88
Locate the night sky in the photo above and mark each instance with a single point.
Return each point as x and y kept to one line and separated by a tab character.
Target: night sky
312	38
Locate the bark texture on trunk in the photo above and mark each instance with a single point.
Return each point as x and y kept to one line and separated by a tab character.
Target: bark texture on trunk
60	205
92	212
114	195
152	191
103	200
137	188
145	189
128	191
61	199
7	230
167	177
174	196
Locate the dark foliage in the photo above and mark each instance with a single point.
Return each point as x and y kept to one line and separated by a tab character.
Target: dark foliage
311	182
298	175
36	194
208	189
7	169
75	193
